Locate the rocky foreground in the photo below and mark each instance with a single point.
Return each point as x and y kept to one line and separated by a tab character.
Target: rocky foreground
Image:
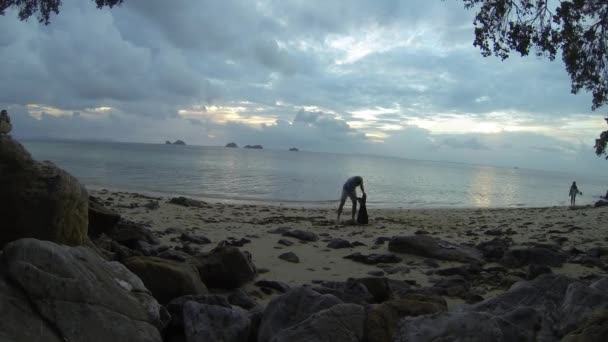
128	267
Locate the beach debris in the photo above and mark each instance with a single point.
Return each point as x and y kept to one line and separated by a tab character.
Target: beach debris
338	243
431	247
373	259
290	256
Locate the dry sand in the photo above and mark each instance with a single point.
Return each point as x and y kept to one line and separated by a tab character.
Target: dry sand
583	228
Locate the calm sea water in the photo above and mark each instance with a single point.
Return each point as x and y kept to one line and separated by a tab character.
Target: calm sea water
308	178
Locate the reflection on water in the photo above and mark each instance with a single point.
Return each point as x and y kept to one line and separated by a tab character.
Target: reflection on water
306	176
482	186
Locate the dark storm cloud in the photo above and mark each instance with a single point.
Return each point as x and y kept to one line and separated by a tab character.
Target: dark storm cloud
149	60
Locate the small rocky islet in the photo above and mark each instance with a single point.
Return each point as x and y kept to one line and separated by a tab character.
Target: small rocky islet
79	267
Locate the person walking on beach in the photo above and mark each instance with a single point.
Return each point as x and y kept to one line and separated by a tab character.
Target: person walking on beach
348	190
573	192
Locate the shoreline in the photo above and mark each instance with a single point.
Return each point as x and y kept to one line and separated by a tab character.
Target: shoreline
320	204
563	228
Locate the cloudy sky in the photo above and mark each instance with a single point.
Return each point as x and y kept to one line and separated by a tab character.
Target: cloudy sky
397	78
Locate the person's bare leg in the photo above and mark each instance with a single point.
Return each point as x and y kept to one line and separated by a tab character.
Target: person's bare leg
354	211
340	207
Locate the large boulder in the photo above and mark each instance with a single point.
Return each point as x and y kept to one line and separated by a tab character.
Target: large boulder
225	267
545	309
166	279
78	295
523	256
129	233
339	323
203	323
5	122
382	319
38	199
292	308
101	219
428	246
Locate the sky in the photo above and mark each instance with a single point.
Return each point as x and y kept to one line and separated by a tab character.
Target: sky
387	77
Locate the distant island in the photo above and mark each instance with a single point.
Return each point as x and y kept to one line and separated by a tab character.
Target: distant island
294	149
232	145
176	142
257	147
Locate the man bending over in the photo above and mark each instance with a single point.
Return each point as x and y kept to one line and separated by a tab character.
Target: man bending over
348	190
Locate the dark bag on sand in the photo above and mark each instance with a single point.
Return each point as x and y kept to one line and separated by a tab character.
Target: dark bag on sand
362	215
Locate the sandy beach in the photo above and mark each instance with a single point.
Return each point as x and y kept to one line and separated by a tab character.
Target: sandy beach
578	229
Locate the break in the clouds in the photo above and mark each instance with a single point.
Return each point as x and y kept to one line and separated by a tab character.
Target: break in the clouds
398	78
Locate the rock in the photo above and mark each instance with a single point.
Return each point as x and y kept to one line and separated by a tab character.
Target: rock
494	232
373	259
382	319
197	239
172	254
431	247
377	273
521	256
470	326
101	219
188	202
272	284
285	242
176	309
280	230
203	322
178	142
381	240
348	292
290	256
545	309
255	147
595	329
38	199
242	299
340	323
236	242
290	309
166	279
379	287
301	235
232	145
601	203
535	270
81	296
5	123
152	205
338	243
128	233
293	149
225	267
494	249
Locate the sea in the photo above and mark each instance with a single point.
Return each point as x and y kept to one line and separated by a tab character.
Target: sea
308	179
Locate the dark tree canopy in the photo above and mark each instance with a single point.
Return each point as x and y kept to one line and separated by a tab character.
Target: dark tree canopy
44	8
578	29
